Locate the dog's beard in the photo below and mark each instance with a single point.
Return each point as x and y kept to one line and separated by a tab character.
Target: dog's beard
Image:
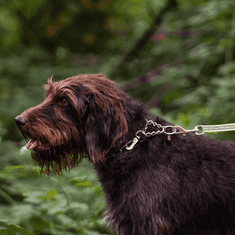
57	159
54	157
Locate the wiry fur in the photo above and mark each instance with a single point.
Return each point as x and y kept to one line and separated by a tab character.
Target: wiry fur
185	185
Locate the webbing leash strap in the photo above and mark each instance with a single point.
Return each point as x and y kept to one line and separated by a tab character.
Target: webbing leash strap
214	128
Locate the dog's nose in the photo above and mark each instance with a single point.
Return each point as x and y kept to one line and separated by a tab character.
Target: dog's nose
20	121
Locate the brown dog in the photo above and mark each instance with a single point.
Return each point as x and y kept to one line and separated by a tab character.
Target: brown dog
152	184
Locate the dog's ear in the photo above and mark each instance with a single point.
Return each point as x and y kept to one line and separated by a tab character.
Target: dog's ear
104	125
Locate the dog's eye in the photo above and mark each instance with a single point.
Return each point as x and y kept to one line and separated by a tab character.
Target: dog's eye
63	102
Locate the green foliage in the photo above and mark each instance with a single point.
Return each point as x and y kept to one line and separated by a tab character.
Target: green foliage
11	229
54	205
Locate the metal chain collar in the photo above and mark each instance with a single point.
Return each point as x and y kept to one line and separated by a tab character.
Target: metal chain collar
142	134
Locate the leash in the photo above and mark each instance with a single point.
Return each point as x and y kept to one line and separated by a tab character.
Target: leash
171	130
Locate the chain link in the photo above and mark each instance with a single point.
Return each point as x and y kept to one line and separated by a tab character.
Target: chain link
163	130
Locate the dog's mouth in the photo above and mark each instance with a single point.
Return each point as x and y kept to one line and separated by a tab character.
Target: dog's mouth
37	145
32	144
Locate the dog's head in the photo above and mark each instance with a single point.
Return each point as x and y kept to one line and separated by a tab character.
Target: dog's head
81	114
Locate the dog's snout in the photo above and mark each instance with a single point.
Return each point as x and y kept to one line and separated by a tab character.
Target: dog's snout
20	121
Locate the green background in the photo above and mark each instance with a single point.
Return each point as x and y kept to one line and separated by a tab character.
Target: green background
176	56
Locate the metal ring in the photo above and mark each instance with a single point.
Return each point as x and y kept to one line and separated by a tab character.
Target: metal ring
168	133
139	132
197	128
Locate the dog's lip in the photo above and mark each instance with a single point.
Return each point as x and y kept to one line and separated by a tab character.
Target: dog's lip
37	145
32	144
